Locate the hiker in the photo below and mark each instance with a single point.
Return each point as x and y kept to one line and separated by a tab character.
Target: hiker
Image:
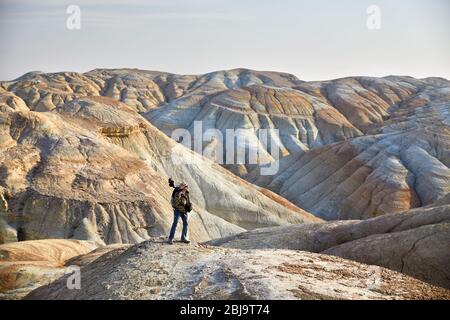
181	206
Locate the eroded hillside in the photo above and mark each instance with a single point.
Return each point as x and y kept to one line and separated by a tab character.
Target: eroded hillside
355	147
95	169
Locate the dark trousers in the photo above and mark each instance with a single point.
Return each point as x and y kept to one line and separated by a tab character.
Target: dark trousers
176	217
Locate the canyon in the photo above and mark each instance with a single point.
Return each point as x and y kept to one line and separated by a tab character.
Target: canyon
363	182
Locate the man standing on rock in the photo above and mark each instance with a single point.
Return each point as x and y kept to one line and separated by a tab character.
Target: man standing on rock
181	206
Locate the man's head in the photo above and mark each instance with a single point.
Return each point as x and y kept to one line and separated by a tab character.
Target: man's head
183	186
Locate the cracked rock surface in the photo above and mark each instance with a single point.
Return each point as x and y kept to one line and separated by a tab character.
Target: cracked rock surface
155	270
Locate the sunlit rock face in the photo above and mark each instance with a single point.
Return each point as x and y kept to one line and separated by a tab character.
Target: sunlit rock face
350	148
87	157
399	164
94	169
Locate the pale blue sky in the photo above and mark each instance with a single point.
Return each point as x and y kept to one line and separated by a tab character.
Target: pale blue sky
315	40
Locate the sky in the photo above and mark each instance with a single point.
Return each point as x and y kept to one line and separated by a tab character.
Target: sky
314	40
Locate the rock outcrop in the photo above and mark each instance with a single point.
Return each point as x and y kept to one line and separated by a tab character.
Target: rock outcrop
400	164
414	242
154	270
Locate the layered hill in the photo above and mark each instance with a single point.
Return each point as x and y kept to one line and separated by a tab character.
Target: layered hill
354	147
24	266
87	157
94	169
399	164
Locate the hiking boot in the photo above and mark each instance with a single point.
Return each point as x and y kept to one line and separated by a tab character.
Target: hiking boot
170	241
185	241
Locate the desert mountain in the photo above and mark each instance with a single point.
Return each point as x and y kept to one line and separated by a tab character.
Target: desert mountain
351	148
94	169
399	164
87	157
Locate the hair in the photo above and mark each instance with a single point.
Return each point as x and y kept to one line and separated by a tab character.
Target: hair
171	183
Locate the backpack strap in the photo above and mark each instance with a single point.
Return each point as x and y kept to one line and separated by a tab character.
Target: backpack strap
175	191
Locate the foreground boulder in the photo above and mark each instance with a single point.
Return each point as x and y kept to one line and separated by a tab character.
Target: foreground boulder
154	270
415	242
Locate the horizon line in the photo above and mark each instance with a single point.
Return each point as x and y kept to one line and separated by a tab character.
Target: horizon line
223	70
